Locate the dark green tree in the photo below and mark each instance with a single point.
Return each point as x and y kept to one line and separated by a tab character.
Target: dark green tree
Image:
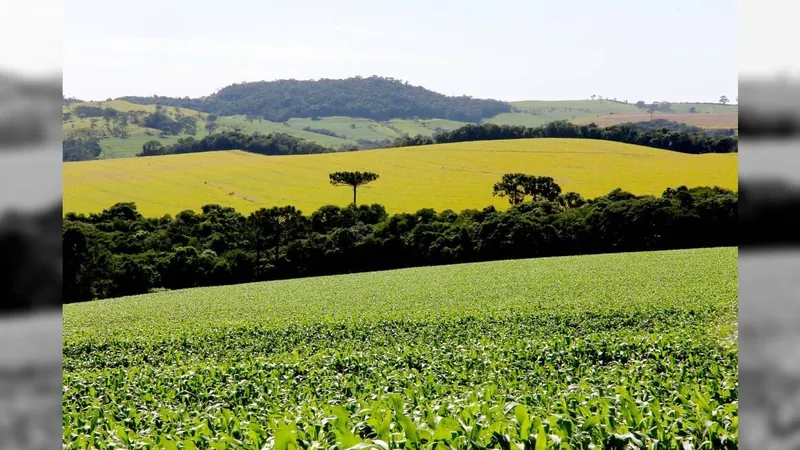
541	188
274	226
152	148
353	179
512	185
570	200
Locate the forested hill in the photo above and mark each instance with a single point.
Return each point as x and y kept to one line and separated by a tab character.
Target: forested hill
376	98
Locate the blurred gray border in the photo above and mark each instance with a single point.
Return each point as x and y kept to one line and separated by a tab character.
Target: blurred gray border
30	261
769	290
30	248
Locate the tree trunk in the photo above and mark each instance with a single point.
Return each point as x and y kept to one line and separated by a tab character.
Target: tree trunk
258	255
354	196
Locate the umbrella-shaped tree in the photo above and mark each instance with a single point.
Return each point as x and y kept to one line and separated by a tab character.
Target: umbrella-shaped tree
354	179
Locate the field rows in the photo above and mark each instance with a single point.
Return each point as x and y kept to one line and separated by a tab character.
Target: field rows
605	350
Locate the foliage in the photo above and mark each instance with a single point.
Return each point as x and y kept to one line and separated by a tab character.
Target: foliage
615	351
271	144
516	186
669	125
443	176
663	138
375	98
80	149
221	246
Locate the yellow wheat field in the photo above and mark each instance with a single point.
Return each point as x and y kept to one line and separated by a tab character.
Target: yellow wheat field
446	176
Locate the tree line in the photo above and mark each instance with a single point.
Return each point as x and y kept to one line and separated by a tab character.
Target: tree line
119	252
264	144
662	138
377	98
284	144
669	125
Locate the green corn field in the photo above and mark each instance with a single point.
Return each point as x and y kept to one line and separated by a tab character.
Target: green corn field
612	351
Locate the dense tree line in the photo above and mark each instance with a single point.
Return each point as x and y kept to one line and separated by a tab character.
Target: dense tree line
264	144
663	138
284	144
661	124
79	148
376	98
119	252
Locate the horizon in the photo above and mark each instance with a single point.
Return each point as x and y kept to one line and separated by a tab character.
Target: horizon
544	51
732	101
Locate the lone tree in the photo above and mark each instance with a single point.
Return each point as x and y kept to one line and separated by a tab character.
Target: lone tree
653	108
723	99
354	179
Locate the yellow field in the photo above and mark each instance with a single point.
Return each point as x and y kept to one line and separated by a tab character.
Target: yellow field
445	176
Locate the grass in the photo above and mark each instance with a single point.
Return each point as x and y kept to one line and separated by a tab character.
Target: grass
267	127
607	113
425	127
442	176
710	120
579	107
350	127
605	350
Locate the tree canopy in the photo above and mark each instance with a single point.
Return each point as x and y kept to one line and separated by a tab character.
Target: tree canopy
375	97
353	179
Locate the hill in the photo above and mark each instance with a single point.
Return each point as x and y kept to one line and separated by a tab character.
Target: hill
355	113
376	98
124	133
443	176
463	352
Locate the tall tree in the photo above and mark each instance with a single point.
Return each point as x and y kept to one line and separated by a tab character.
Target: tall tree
276	225
353	179
723	99
541	188
512	185
652	108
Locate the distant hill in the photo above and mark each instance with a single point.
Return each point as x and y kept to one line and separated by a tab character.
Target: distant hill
376	98
354	113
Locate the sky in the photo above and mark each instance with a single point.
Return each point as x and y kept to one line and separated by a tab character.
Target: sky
681	50
31	36
767	34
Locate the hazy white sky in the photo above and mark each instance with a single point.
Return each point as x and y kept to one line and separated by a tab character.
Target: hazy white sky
31	36
679	50
768	33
